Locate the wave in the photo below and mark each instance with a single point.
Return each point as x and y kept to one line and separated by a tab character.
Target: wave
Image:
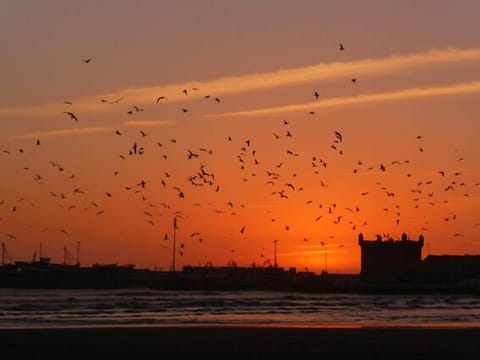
27	308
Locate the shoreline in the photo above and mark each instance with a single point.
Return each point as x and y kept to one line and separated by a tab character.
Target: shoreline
394	342
179	327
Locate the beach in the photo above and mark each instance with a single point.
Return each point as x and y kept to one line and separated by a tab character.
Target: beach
247	342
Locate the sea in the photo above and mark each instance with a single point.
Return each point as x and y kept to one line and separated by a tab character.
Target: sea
40	308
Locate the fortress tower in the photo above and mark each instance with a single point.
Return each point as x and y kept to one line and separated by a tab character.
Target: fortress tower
389	260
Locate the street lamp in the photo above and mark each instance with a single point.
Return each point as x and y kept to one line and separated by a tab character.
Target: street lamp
275	254
174	239
324	246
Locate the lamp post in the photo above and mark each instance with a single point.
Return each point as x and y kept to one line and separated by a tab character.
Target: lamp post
78	253
275	254
324	246
174	239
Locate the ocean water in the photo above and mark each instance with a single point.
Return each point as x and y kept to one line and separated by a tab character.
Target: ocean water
27	308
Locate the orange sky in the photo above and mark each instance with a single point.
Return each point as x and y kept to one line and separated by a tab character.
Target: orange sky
267	156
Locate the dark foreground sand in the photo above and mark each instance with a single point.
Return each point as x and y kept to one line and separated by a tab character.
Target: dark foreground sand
241	342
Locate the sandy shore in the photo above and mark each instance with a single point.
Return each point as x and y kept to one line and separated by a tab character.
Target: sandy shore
385	343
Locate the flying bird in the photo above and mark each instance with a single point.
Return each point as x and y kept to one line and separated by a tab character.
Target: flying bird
71	114
339	136
86	61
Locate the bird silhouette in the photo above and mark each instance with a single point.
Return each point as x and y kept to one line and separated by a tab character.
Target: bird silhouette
341	47
86	61
161	98
339	136
71	115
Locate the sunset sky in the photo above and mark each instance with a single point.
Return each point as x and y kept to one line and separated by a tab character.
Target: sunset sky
235	142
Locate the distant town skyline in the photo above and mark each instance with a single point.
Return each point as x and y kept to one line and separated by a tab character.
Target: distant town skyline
270	130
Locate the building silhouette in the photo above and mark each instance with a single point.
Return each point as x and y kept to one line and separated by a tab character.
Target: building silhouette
387	265
389	260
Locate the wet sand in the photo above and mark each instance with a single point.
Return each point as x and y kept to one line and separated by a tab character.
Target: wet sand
242	342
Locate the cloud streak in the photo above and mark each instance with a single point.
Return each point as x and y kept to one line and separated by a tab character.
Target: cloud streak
411	93
89	130
62	132
148	123
257	81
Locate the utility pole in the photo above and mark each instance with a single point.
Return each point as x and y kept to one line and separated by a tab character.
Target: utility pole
324	246
275	254
78	253
174	240
3	253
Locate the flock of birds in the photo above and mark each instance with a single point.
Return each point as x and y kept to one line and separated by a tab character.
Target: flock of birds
277	179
